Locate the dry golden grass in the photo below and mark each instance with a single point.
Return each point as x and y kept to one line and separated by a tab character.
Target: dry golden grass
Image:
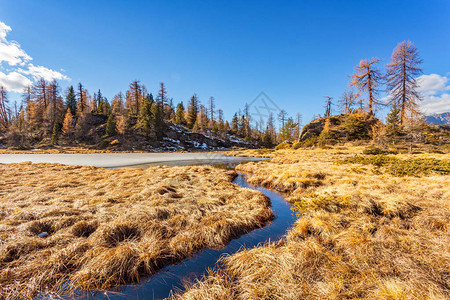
110	227
362	234
62	149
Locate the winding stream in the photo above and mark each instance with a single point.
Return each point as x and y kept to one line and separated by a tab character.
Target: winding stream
172	278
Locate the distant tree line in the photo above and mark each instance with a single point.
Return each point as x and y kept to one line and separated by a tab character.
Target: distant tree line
47	113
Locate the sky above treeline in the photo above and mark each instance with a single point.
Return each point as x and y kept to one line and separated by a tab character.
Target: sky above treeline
296	52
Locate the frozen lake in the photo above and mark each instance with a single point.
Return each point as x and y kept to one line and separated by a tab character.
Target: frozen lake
117	160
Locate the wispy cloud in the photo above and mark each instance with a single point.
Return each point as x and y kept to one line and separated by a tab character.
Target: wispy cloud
20	72
435	90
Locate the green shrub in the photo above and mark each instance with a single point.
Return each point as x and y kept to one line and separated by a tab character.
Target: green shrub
373	151
283	146
403	167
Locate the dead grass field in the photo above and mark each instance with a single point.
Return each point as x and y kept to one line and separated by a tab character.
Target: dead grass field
62	149
111	227
363	232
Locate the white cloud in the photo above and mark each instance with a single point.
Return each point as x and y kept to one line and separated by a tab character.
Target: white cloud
435	104
21	72
431	84
13	81
46	73
434	89
4	29
10	51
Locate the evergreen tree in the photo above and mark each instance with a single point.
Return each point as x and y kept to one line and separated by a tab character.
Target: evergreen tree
235	124
71	101
287	131
192	111
110	125
393	121
158	121
82	101
55	133
179	115
145	117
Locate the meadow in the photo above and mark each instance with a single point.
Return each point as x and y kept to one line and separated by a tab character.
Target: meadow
68	228
369	227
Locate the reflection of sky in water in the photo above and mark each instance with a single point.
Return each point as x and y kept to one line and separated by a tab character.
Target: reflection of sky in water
174	277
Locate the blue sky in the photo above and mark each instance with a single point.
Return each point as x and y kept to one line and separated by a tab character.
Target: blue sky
297	52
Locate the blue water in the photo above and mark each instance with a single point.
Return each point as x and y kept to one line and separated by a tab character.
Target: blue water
173	278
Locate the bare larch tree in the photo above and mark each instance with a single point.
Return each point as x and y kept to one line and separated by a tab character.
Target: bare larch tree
347	101
328	104
401	78
366	78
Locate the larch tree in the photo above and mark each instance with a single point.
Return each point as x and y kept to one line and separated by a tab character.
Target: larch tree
117	107
282	115
134	97
401	78
67	127
328	103
366	78
55	107
347	101
4	110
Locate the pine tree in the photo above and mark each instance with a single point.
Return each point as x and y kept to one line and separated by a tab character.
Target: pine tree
366	79
162	99
287	131
192	111
158	121
82	104
235	124
71	101
212	108
55	134
145	117
401	78
179	115
393	121
110	126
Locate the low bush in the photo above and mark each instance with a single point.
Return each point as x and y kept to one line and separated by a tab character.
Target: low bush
403	167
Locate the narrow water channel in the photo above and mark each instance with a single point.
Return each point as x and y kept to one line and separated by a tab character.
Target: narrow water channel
172	278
